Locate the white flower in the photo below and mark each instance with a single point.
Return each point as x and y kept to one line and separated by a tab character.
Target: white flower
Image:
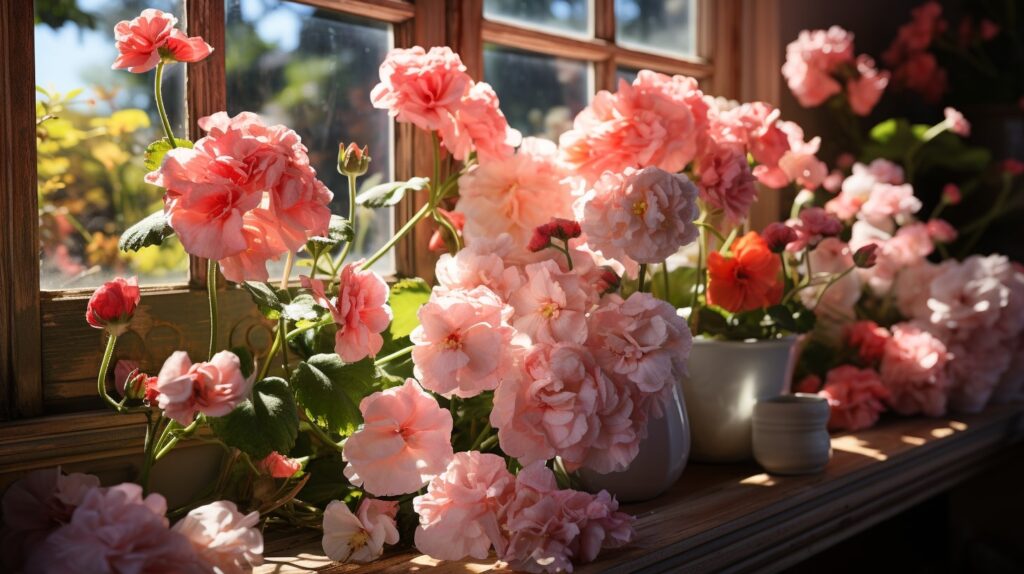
351	538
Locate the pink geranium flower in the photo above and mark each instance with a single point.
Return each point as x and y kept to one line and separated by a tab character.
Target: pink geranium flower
278	465
725	180
404	442
855	397
360	311
966	297
553	407
812	226
113	304
214	388
811	60
462	346
475	266
655	122
642	216
868	339
359	538
143	41
956	122
34	506
914	369
224	539
115	530
866	89
479	125
515	194
463	512
421	87
552	304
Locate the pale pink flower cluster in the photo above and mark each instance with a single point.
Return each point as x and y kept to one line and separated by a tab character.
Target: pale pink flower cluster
515	194
914	369
856	397
432	90
244	194
477	505
360	311
405	440
976	307
56	523
641	216
915	68
657	121
213	388
777	147
359	537
818	60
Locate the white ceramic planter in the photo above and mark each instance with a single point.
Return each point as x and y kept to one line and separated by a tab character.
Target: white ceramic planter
657	466
726	380
790	434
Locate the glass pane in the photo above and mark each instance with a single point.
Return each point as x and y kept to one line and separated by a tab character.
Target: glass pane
659	25
564	15
628	74
98	123
539	94
313	70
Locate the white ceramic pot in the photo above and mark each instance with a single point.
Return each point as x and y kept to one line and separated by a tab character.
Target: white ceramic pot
657	466
790	434
726	380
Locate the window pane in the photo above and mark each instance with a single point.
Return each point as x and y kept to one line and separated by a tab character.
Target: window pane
313	70
566	15
628	74
659	25
539	94
90	148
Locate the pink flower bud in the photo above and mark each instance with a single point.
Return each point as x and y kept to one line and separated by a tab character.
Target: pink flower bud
113	304
608	281
778	236
956	122
866	256
951	194
352	160
941	231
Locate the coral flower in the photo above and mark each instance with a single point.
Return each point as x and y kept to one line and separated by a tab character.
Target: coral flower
213	388
405	441
278	465
811	60
462	342
865	90
225	540
478	266
462	514
748	280
113	304
855	396
143	41
914	369
480	126
421	87
552	304
360	311
359	538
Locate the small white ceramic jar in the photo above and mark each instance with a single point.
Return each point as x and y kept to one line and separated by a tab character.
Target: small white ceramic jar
790	434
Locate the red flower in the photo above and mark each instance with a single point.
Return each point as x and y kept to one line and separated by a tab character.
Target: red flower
778	235
558	228
112	305
750	279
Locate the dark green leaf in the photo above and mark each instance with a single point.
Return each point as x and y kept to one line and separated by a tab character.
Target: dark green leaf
301	307
388	194
324	482
155	152
152	230
245	358
406	298
711	322
265	422
266	297
331	390
680	293
783	317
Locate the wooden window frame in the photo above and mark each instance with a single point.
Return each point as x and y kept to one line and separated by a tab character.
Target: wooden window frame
49	354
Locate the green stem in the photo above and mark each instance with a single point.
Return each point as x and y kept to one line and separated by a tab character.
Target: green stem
324	437
101	380
166	449
435	187
641	278
351	219
397	237
274	347
396	355
148	448
159	94
282	327
665	279
832	281
211	290
480	437
443	220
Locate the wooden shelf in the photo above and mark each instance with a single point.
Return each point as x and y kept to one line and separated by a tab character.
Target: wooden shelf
735	518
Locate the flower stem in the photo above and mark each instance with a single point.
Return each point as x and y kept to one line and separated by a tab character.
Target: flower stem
211	291
351	219
665	279
443	220
398	236
159	94
396	355
289	262
166	449
480	437
324	437
274	347
641	278
101	379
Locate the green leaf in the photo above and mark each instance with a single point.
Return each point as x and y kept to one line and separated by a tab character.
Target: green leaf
338	231
712	322
156	151
681	281
388	194
301	307
152	230
265	422
323	485
331	390
406	298
783	317
266	297
245	358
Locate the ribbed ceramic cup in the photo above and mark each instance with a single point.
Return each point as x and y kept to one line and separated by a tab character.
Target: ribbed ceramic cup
790	434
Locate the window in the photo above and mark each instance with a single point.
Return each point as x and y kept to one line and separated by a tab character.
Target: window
308	64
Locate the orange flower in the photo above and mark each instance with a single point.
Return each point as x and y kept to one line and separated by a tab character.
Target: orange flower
747	280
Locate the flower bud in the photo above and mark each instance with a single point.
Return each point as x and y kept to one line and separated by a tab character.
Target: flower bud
951	194
113	304
608	281
558	228
941	231
866	256
353	161
1013	167
778	236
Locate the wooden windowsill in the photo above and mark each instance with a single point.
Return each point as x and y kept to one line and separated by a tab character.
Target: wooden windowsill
735	517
